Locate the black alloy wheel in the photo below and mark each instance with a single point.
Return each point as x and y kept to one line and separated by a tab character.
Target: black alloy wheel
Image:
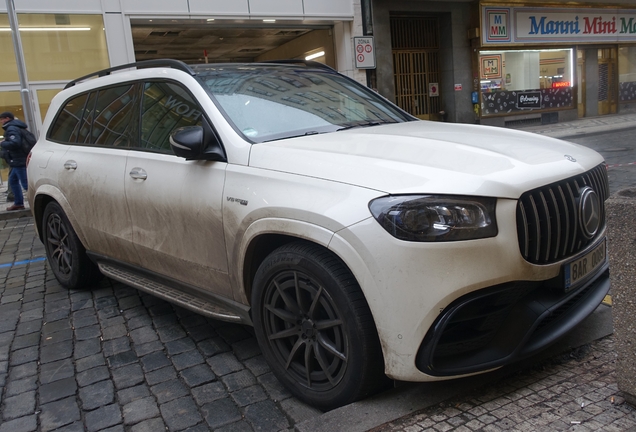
66	254
315	328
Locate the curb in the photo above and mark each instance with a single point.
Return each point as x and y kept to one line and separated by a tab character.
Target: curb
590	131
6	215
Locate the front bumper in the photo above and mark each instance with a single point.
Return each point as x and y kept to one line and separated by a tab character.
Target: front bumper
495	326
413	288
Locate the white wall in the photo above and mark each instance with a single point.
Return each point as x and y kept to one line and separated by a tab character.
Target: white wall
300	9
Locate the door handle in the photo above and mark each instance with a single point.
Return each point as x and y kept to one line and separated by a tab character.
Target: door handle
138	173
70	165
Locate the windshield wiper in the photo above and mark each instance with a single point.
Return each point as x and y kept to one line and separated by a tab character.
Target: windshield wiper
312	132
363	124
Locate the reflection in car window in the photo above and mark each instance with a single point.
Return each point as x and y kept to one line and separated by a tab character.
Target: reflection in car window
115	120
166	107
84	131
65	127
266	103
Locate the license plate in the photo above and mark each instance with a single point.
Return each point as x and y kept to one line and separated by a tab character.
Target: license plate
577	270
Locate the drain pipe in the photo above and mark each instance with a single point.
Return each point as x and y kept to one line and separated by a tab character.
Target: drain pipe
367	30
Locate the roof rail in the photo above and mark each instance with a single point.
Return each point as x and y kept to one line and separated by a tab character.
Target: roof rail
176	64
308	63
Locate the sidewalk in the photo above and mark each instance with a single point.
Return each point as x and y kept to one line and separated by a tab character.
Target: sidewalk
4	214
585	126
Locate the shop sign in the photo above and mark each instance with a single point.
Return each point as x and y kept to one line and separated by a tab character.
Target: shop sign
515	25
561	84
490	66
528	100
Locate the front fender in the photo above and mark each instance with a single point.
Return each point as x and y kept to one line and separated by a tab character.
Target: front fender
276	226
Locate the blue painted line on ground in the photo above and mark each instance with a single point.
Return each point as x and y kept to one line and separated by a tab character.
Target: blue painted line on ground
17	263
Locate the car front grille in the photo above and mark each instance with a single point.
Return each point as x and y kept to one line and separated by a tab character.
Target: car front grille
548	217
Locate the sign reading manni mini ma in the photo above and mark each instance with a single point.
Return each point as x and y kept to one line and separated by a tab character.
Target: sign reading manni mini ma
514	25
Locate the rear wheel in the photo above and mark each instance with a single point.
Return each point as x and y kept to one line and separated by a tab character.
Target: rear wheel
66	254
315	328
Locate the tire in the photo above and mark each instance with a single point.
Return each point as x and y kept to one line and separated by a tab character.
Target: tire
315	328
66	254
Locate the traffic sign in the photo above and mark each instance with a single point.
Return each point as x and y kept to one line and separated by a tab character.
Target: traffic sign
365	52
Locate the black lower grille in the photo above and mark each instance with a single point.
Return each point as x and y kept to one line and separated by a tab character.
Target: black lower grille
548	223
498	325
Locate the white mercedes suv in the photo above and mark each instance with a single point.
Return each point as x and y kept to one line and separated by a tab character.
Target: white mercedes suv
360	242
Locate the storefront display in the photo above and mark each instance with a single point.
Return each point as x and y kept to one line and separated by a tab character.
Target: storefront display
524	80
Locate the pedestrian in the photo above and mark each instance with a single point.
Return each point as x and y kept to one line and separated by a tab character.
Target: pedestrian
13	152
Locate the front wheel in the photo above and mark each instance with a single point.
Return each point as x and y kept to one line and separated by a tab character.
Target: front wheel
315	328
66	254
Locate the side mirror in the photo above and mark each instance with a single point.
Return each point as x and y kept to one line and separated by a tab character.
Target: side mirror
190	142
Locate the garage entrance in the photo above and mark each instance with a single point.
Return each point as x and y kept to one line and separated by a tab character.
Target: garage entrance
197	41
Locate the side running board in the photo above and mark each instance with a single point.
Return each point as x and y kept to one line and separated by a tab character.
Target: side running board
170	294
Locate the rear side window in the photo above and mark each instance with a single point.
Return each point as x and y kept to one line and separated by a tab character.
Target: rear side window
107	117
166	107
66	124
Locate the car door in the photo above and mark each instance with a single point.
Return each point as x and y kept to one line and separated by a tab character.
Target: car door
99	125
175	204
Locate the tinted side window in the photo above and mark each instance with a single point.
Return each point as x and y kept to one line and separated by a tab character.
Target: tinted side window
115	120
166	106
84	132
66	124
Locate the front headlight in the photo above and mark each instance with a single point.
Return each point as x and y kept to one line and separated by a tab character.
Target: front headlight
436	218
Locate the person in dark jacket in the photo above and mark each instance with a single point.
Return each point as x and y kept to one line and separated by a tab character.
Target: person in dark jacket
14	154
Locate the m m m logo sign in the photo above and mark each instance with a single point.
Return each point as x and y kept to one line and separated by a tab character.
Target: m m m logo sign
497	25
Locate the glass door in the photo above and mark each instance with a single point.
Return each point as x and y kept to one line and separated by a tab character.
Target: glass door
607	81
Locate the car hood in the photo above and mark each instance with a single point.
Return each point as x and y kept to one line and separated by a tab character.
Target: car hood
429	157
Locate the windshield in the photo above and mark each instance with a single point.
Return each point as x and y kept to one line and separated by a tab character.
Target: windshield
267	103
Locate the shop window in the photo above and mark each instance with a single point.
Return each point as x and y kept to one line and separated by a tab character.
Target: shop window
56	46
514	81
627	74
11	101
44	100
9	70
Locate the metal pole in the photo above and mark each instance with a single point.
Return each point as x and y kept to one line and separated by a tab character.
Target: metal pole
29	117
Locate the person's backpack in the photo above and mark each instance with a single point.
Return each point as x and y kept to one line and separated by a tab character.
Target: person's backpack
28	140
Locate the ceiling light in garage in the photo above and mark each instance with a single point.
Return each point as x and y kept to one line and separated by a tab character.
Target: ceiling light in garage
269	20
48	28
315	55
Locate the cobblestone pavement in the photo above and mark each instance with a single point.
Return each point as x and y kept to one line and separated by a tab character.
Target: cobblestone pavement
114	359
573	392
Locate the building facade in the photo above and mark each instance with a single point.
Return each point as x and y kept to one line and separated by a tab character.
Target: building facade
63	40
506	63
